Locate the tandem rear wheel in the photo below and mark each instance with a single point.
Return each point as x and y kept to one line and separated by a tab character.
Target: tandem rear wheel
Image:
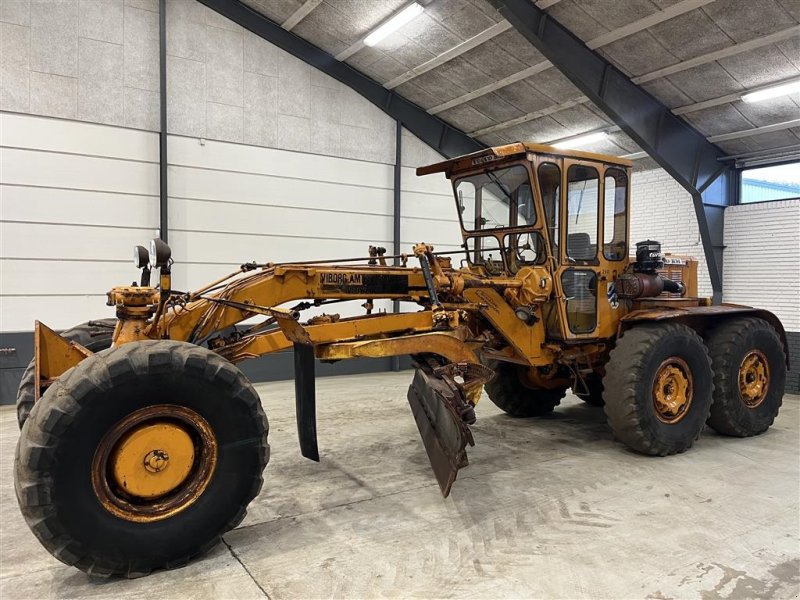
658	387
664	383
141	457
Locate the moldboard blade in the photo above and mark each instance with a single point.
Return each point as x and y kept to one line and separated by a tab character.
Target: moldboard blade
444	434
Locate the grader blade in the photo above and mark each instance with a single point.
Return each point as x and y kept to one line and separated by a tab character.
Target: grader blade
445	435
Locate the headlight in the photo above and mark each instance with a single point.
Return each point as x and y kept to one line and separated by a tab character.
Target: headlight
141	258
160	253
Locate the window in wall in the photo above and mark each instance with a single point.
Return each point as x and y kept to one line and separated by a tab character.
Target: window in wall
615	216
582	201
776	182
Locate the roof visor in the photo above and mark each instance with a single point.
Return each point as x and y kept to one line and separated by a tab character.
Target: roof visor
479	157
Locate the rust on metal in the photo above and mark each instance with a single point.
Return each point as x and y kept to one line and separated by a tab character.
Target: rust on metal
53	356
754	378
154	463
673	390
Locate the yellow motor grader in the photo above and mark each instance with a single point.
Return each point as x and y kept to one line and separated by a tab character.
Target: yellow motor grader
142	442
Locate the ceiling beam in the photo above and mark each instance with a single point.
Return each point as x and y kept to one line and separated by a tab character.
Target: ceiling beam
300	14
441	136
531	116
465	46
646	22
602	40
734	97
735	135
677	147
724	53
496	85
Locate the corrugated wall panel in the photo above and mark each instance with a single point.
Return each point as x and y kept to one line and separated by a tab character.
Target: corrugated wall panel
74	198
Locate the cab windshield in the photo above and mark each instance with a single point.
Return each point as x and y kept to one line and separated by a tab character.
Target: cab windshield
495	199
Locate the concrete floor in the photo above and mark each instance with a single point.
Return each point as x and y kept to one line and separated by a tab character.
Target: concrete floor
548	508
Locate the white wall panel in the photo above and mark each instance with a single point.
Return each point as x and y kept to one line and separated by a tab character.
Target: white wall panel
249	188
194	215
51	169
762	246
72	137
17	313
70	242
49	205
243	158
234	203
427	204
59	277
74	199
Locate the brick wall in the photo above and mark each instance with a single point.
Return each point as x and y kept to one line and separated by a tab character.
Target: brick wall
761	265
761	268
662	210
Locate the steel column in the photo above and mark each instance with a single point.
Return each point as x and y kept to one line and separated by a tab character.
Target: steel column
398	171
432	130
163	196
677	147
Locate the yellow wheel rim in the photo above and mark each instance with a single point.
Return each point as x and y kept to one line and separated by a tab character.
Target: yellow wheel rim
754	378
152	460
672	390
154	463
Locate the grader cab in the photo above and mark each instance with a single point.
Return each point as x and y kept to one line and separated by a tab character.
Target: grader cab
142	443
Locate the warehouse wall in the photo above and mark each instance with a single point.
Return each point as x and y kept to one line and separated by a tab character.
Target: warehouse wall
269	159
762	246
662	210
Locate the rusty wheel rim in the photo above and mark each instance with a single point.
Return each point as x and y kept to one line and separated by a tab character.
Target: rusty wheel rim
154	463
672	390
753	378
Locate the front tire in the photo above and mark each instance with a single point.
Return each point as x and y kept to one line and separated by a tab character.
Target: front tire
140	458
749	376
516	398
658	388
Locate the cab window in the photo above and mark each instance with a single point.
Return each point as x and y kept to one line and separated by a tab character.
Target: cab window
615	215
495	199
486	252
583	189
550	187
524	250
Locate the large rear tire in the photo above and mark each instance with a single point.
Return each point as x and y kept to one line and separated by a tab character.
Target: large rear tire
749	376
517	398
94	336
140	458
658	388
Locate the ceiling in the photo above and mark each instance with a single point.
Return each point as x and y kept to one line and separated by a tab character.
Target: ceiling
461	61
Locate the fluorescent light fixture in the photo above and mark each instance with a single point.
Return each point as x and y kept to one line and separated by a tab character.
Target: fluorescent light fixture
581	140
409	13
775	91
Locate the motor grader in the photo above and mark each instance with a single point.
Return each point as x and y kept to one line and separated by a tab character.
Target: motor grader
142	442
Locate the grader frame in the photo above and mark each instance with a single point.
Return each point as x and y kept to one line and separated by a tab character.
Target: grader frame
122	421
470	314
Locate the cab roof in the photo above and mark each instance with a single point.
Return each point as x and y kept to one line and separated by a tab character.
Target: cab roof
508	150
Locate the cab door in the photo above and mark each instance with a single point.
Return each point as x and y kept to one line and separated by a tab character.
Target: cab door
575	248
